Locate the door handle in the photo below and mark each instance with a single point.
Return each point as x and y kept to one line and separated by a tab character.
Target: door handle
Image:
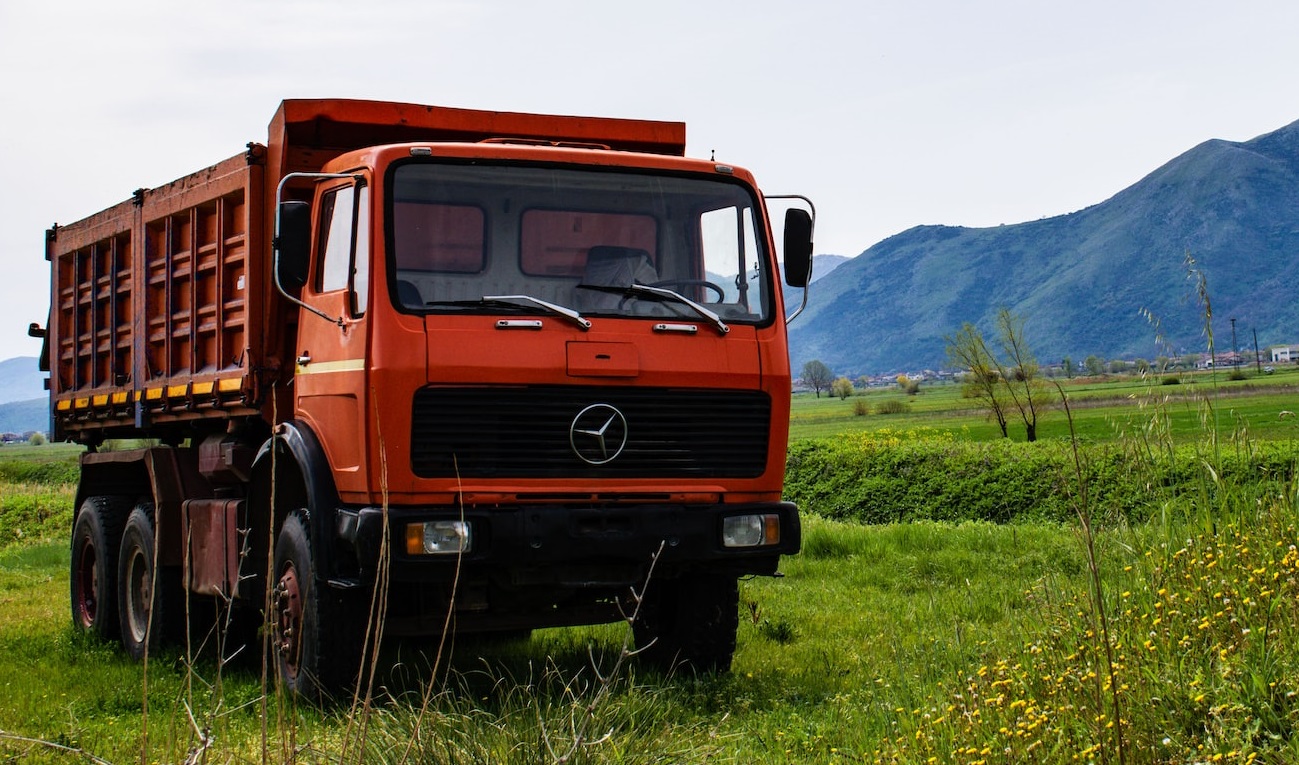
304	359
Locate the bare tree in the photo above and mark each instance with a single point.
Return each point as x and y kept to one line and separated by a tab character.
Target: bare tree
968	350
1020	372
817	375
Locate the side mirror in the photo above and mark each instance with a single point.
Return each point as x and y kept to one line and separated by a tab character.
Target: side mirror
293	244
798	247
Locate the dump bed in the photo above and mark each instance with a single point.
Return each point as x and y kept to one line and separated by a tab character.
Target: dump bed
155	311
162	315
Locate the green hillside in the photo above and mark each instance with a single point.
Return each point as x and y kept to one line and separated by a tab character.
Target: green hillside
25	416
1083	281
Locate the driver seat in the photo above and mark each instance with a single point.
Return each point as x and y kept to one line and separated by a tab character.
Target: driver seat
612	266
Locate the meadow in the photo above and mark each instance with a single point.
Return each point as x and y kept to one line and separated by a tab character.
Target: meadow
1149	614
1103	408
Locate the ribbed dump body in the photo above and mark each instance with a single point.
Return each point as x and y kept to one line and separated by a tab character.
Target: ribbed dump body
151	305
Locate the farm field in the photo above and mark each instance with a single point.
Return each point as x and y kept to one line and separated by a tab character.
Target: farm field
943	642
1102	408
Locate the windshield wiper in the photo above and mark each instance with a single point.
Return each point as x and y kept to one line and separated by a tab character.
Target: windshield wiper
558	310
505	301
662	293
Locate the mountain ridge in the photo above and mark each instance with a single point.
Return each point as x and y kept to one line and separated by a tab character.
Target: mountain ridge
1086	281
20	379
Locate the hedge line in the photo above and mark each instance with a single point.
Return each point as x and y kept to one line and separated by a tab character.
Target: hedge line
890	477
887	477
46	473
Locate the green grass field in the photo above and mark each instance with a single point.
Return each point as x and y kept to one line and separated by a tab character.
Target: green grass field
920	642
1102	408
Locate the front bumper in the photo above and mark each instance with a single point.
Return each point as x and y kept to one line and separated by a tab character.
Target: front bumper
577	546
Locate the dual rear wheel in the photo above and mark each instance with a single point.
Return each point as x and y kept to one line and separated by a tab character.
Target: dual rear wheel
117	590
96	539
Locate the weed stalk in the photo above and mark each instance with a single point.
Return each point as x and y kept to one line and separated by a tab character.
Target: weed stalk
1097	591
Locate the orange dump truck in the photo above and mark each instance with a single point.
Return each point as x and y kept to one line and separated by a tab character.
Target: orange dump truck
507	370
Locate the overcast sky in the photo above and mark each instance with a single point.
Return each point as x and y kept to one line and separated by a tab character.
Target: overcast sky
888	114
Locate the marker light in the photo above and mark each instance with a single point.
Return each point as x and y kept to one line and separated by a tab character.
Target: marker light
438	538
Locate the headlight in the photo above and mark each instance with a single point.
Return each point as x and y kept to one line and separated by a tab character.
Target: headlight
438	538
751	530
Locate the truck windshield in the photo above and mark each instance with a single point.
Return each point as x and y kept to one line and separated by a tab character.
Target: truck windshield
579	239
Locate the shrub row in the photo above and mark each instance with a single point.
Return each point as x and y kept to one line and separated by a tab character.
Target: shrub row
45	473
889	477
898	476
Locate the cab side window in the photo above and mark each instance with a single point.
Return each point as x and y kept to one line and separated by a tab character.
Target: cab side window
345	231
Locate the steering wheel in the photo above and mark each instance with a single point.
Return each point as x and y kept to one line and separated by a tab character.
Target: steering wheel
675	283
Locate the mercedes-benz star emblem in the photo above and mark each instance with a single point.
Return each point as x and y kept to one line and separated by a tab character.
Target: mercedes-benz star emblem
598	434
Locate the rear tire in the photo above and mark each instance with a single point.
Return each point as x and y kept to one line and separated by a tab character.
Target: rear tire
149	606
689	623
96	538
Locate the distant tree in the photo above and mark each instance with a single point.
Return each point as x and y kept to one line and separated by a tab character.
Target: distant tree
1094	366
1143	367
908	386
37	439
1067	364
1020	371
863	382
968	350
1005	383
817	375
1118	366
841	387
1162	364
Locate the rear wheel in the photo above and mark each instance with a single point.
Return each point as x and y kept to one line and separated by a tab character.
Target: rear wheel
150	602
96	538
689	622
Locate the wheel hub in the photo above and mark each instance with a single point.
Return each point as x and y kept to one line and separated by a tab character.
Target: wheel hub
139	596
288	620
87	586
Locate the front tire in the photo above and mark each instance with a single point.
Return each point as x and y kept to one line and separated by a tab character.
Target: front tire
689	623
313	628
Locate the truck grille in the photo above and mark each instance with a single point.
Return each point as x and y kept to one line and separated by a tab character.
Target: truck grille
525	432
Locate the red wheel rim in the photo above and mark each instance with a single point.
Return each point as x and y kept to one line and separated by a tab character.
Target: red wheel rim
87	585
288	620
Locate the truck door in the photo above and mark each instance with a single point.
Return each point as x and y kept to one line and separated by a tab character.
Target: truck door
331	387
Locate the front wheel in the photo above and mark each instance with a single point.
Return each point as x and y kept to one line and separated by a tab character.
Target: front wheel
315	632
689	622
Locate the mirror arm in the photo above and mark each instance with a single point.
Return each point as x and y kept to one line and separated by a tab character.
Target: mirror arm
790	318
808	286
275	241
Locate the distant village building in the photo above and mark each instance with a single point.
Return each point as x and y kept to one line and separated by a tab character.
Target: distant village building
1228	359
1284	354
